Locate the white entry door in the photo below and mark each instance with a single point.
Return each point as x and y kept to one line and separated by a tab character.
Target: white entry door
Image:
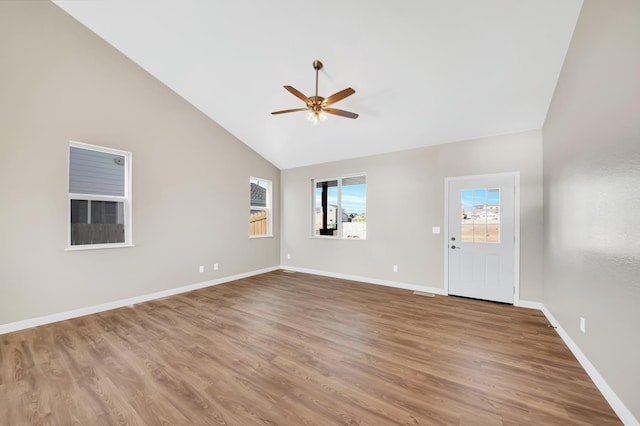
481	237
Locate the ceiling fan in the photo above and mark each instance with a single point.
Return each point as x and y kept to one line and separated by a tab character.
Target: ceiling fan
317	105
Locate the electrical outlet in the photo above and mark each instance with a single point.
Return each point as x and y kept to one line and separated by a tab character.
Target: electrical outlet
201	269
288	255
583	325
215	266
395	268
435	229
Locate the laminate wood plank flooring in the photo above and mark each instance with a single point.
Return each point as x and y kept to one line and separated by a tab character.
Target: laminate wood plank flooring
297	349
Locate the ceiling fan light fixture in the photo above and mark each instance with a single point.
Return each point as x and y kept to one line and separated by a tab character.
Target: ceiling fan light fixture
316	116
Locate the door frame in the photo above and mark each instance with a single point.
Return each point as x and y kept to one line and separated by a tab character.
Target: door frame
516	231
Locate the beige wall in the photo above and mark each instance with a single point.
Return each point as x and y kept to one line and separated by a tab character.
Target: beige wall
592	194
405	198
60	82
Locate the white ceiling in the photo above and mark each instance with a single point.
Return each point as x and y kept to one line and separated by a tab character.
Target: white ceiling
425	72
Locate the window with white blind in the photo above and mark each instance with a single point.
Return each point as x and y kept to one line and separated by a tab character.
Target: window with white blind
99	197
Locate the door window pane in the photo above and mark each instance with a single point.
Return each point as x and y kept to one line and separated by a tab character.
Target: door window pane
480	216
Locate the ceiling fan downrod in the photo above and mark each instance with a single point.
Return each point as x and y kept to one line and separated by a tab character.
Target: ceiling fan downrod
317	65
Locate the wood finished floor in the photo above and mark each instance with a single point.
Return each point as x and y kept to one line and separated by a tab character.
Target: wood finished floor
297	349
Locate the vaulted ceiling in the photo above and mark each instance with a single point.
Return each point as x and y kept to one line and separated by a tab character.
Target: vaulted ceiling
425	72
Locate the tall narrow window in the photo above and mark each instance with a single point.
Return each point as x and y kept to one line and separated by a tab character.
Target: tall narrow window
99	197
260	208
340	207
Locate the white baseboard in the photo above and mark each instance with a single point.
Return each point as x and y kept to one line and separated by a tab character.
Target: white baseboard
396	284
414	287
528	304
618	406
61	316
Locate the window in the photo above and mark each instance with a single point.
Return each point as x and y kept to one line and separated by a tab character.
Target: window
480	215
260	209
99	197
340	207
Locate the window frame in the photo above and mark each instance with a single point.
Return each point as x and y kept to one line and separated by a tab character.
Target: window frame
267	207
125	199
339	208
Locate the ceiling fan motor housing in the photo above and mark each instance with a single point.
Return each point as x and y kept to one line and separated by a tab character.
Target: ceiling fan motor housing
316	104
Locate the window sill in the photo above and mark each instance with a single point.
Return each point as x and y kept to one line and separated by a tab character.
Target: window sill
329	237
251	237
97	246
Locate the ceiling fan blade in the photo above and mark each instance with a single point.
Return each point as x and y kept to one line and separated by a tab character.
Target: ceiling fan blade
289	110
295	92
340	112
339	96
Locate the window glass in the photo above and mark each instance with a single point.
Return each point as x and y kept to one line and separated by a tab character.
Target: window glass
480	218
97	222
354	207
326	208
95	172
79	211
260	207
